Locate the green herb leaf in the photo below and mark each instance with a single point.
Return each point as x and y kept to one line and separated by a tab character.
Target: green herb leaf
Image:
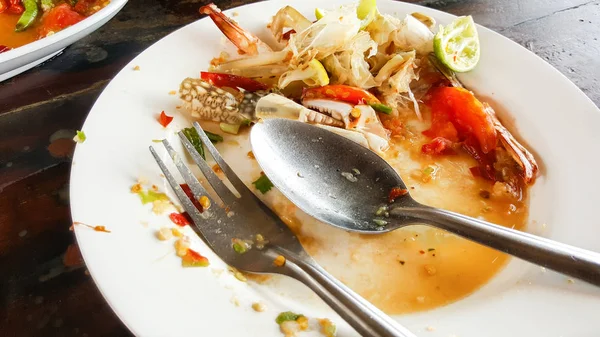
381	108
287	316
263	184
192	135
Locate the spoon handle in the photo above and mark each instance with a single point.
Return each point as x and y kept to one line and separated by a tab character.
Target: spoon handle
576	262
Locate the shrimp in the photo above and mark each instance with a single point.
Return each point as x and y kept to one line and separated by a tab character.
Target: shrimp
246	42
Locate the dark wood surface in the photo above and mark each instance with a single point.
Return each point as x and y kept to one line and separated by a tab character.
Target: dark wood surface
44	287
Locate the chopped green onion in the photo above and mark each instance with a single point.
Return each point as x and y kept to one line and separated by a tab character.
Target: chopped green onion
287	316
79	137
239	246
381	210
381	108
263	184
428	170
230	128
151	196
380	222
214	138
192	135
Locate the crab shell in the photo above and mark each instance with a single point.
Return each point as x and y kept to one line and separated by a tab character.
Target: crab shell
277	106
208	102
360	118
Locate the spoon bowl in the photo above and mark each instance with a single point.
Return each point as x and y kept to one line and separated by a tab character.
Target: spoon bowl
321	171
344	184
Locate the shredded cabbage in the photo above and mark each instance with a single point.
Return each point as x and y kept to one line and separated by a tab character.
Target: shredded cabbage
350	66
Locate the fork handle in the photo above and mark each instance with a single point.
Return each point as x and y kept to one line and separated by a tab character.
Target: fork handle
364	317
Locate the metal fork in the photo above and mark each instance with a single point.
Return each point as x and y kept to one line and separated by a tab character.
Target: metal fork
246	216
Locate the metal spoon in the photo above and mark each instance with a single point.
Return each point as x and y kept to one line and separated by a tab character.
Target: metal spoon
347	185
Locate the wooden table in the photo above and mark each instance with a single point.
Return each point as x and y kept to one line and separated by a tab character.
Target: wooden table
44	287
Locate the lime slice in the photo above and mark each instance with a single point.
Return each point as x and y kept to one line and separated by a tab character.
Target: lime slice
319	13
366	8
319	76
366	11
457	44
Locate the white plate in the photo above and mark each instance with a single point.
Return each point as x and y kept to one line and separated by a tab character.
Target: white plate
144	283
18	60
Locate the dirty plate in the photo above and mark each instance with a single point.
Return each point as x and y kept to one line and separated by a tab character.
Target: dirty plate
143	281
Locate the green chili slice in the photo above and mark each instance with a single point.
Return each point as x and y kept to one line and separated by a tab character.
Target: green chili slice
29	15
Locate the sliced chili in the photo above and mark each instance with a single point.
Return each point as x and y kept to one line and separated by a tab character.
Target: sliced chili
232	81
396	192
164	120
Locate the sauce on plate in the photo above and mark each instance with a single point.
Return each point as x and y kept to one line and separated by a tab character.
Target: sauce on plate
418	267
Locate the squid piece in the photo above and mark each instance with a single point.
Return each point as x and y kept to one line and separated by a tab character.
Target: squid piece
246	42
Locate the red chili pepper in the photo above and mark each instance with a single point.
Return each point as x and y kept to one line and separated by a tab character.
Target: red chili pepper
179	219
186	189
232	81
164	120
395	193
341	92
438	146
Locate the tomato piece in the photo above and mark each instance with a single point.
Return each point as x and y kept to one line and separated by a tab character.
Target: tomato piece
3	6
485	160
396	192
341	92
179	219
58	18
438	146
194	259
232	81
3	48
457	113
164	120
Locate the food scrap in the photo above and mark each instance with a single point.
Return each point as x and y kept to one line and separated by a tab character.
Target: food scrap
96	228
396	192
328	328
279	261
240	246
79	137
290	323
180	219
263	184
259	306
164	119
194	259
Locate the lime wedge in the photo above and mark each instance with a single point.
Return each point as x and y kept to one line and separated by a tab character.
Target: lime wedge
457	44
366	8
319	13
